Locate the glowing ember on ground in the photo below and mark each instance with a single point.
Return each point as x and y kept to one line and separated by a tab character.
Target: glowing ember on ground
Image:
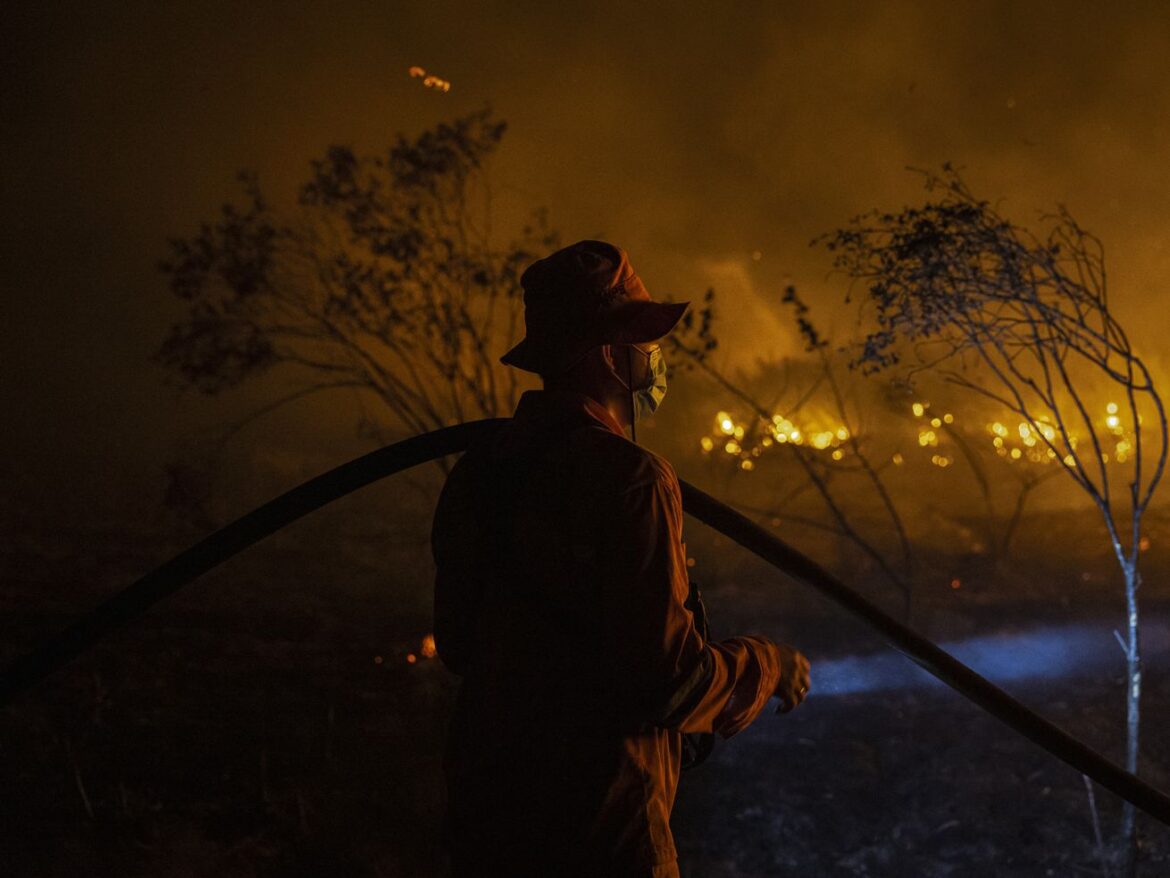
746	441
1036	441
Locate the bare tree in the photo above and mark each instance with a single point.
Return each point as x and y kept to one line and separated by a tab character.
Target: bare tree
388	279
1022	320
823	467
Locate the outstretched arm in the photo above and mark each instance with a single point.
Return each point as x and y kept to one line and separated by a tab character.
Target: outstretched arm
662	669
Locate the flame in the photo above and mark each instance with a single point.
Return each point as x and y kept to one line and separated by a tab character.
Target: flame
427	647
734	438
1034	441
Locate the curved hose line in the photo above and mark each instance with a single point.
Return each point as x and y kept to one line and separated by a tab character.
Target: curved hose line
132	602
317	492
928	655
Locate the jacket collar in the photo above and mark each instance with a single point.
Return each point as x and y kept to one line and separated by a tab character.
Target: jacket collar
564	406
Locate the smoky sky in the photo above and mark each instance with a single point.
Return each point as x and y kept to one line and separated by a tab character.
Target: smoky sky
692	134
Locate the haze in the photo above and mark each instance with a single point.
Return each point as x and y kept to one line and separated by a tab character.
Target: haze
691	134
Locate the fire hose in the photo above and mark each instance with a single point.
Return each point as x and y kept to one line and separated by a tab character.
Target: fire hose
136	599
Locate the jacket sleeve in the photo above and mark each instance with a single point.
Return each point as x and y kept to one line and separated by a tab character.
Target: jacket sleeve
662	669
454	542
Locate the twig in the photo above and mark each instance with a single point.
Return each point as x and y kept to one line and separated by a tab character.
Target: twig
1096	827
77	778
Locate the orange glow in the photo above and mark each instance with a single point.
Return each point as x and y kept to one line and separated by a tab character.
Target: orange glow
955	583
411	658
427	648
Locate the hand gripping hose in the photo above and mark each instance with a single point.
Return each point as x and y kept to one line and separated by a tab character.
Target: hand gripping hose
135	600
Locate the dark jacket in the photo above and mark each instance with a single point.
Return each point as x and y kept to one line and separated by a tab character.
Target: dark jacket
560	582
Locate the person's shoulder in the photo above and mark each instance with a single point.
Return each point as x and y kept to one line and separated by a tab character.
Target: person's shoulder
464	475
618	464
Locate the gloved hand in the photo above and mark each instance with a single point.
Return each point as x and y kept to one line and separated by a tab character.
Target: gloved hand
793	684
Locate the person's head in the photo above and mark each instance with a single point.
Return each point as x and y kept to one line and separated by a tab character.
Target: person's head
628	378
591	326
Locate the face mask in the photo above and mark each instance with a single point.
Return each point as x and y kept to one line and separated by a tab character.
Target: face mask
646	398
649	397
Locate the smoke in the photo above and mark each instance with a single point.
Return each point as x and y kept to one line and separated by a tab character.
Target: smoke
691	137
1028	657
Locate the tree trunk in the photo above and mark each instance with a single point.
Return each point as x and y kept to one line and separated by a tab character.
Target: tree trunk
1132	715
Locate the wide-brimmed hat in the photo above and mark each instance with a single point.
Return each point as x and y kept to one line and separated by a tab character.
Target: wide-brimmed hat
583	296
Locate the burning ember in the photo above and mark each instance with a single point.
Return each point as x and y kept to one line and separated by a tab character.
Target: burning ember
429	80
733	438
1038	442
426	650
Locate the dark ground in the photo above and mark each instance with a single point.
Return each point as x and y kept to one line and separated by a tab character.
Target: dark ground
246	727
910	783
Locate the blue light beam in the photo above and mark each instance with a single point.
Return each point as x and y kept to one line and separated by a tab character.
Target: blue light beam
1030	655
